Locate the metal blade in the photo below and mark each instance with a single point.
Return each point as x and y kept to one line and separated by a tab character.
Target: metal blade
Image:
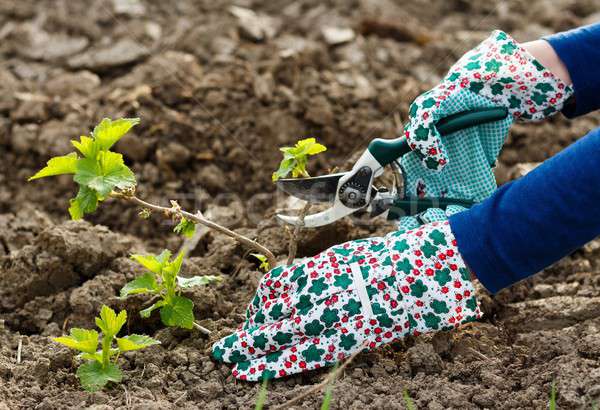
315	189
328	216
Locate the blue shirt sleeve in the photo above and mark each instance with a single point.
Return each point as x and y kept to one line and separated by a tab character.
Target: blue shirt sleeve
579	50
530	223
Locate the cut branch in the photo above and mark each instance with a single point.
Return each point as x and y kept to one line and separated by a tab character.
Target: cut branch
295	236
201	328
175	210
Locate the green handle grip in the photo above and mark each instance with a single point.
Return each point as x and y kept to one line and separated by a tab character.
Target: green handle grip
386	151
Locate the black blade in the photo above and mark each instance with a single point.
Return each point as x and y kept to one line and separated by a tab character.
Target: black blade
315	189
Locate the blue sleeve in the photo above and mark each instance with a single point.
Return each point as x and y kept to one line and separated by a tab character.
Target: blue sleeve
579	50
530	223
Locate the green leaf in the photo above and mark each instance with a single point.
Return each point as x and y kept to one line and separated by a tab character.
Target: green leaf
295	158
148	311
87	146
171	270
308	146
94	377
197	281
185	227
135	342
264	262
109	322
105	173
83	340
108	132
179	312
85	202
65	164
97	356
164	256
262	395
150	262
142	284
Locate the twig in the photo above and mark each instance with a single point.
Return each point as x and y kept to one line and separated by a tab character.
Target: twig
19	350
318	387
175	210
201	328
180	398
293	246
478	353
127	397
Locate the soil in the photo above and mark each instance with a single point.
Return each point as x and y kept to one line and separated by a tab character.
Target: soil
217	95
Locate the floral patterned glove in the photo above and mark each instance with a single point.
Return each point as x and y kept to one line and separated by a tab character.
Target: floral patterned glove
498	72
362	293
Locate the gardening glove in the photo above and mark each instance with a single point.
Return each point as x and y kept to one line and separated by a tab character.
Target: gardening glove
496	73
357	295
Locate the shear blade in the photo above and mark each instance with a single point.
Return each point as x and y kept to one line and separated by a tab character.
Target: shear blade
314	189
326	217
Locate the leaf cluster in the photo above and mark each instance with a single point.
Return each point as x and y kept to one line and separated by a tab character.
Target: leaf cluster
264	262
96	169
162	279
185	227
101	365
295	158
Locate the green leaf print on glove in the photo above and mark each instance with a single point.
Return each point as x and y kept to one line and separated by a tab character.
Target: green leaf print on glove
500	71
305	316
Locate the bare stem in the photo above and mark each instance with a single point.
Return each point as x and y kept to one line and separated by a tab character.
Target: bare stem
318	387
175	210
293	245
201	328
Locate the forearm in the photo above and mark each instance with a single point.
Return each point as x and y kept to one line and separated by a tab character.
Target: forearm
532	222
545	54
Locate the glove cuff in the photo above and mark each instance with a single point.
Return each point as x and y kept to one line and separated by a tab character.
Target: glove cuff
435	284
501	70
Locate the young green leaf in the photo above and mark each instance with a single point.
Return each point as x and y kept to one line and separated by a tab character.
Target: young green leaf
148	311
104	173
108	132
87	146
135	342
97	356
179	312
142	284
151	262
262	395
295	158
185	227
408	401
80	339
171	270
197	281
100	368
85	202
58	166
93	376
552	404
109	322
264	262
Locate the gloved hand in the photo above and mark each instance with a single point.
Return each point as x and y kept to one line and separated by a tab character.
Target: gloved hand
498	72
362	293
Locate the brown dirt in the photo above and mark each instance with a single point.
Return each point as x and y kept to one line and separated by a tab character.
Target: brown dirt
215	104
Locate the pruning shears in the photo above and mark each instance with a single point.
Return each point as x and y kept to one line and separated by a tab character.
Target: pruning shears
353	191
